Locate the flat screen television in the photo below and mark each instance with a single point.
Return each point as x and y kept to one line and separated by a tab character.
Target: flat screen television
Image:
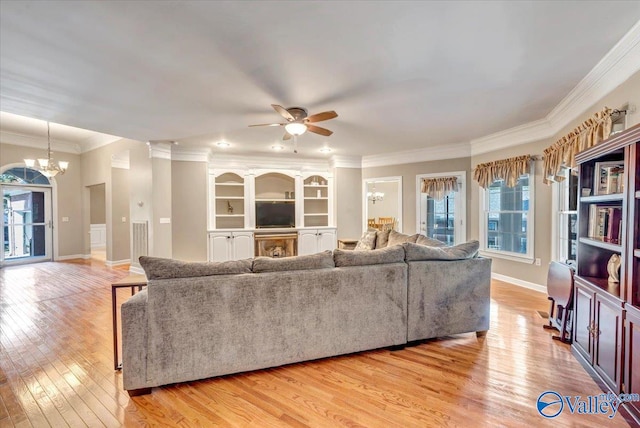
275	214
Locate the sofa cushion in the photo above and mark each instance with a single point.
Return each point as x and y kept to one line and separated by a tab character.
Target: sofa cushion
416	252
429	242
161	268
382	238
367	241
374	257
312	261
396	238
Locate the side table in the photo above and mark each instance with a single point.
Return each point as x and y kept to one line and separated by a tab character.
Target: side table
133	282
347	244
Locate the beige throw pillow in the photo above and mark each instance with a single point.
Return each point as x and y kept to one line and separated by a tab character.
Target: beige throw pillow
429	242
396	238
382	238
416	252
367	241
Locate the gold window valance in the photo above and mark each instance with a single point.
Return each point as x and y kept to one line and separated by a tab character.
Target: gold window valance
508	170
563	152
439	187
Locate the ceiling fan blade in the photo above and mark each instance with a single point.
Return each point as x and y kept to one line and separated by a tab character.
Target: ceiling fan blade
319	117
283	112
287	136
319	130
268	124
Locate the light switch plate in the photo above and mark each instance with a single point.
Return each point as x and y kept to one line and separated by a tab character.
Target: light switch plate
65	219
165	220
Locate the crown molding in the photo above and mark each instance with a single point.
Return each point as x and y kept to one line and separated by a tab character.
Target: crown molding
59	146
618	65
97	140
450	151
121	160
532	131
268	162
159	150
190	154
340	161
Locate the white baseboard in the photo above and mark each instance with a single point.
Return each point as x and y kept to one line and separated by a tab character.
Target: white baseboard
515	281
73	256
110	263
136	269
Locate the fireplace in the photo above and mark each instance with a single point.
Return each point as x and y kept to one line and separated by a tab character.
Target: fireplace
276	244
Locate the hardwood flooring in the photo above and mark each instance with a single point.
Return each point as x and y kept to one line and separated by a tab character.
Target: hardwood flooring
56	369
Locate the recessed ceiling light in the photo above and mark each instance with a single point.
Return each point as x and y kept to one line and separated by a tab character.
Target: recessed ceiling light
223	144
325	150
277	147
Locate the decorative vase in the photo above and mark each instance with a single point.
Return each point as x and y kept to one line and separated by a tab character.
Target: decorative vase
613	267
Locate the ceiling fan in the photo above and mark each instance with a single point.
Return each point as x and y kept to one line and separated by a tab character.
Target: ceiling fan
298	122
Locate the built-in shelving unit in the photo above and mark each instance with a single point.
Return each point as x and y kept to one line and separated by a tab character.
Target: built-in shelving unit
229	196
316	201
606	328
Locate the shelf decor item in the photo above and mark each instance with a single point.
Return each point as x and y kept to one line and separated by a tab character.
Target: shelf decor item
613	268
229	208
609	178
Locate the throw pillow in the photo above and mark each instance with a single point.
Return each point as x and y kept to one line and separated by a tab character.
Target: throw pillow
160	268
363	258
416	252
382	238
367	241
313	261
396	238
429	242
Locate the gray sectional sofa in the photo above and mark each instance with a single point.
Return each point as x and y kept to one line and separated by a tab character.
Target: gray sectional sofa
199	320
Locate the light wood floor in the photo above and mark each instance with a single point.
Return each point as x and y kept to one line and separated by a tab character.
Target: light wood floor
56	369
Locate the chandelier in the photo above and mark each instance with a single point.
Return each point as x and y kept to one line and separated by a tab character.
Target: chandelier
48	167
375	196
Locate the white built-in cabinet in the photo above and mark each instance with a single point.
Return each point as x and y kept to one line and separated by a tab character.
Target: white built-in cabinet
233	194
230	245
311	241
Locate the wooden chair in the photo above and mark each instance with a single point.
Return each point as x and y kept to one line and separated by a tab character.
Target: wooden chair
387	223
371	222
560	291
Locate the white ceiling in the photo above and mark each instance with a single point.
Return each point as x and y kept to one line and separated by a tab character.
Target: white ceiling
401	75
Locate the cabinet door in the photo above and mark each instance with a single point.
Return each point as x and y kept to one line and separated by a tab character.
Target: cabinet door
607	350
583	313
326	240
219	247
242	245
632	357
307	242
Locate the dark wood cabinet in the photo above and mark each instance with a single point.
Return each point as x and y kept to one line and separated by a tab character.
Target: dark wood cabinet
598	331
632	356
607	339
583	316
606	330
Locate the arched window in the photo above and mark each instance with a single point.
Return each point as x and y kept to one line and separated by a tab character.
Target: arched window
23	175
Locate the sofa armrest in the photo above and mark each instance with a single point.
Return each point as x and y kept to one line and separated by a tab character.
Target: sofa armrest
134	341
448	297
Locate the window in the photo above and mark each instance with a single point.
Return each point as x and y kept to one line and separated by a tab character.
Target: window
506	226
566	216
443	220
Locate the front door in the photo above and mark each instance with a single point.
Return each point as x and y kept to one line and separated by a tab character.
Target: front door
26	226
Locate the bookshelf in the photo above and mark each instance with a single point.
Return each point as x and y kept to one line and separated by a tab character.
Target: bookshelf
606	324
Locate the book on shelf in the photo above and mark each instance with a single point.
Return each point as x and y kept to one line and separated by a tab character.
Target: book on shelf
605	223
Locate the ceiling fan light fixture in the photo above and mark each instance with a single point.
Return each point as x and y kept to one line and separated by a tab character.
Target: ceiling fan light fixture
295	128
